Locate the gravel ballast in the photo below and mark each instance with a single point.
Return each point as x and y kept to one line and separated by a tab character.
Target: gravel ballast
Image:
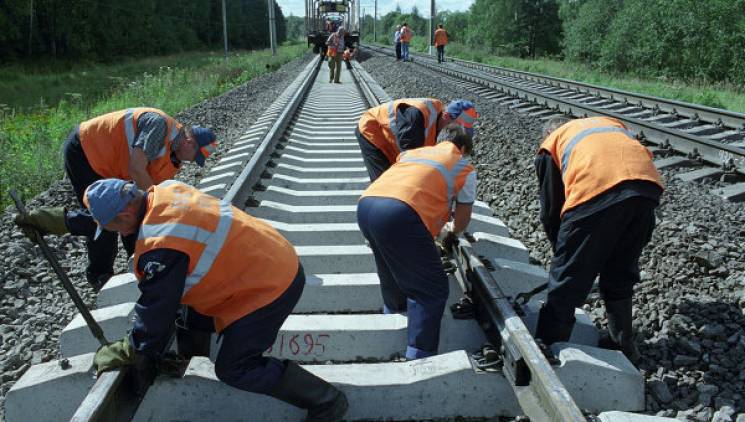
34	306
689	306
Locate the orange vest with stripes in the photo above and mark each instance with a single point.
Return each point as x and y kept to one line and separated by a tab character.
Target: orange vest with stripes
378	124
596	154
107	143
237	264
428	180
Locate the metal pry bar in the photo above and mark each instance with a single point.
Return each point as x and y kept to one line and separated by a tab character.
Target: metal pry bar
66	283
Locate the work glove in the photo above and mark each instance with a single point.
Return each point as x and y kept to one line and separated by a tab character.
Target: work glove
47	220
114	355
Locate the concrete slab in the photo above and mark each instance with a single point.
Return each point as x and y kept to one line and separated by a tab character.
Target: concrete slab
599	379
487	224
121	288
516	277
48	392
319	234
615	416
492	245
325	161
584	331
443	386
76	338
355	150
306	214
700	174
327	259
311	197
358	292
671	162
732	193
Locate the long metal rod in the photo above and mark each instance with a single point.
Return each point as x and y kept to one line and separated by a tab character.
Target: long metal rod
225	30
66	283
272	27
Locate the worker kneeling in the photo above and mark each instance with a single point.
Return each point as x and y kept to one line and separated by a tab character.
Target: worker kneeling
230	270
401	214
598	190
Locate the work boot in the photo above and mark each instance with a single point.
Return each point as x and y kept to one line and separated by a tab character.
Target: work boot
97	280
190	343
620	331
550	330
324	402
46	220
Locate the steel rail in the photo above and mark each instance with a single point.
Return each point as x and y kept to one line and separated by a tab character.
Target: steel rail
726	156
110	399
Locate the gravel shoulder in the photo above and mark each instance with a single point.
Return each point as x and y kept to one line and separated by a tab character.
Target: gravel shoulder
689	306
34	308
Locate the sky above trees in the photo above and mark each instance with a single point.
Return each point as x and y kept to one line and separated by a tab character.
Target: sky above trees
297	7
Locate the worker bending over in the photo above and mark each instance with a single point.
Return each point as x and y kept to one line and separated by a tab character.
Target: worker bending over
237	276
141	144
386	130
598	192
402	213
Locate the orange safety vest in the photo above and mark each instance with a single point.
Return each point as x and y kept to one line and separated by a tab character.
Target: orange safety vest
237	264
596	154
378	124
441	37
406	34
428	180
107	143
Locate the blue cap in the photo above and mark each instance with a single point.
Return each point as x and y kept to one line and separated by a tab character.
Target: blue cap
105	199
206	143
464	113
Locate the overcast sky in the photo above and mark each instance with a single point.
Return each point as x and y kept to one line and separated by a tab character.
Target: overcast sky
297	7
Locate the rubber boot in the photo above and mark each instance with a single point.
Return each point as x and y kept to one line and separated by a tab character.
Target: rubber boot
97	280
324	402
550	330
620	331
190	343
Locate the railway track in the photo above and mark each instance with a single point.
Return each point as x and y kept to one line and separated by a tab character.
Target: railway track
299	168
682	134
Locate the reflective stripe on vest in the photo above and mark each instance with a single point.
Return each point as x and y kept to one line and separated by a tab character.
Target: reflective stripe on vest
448	175
584	134
430	122
129	127
212	241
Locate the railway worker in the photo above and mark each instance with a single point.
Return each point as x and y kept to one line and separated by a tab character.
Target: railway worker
397	42
235	274
141	144
335	49
441	40
348	55
402	213
406	35
386	130
598	192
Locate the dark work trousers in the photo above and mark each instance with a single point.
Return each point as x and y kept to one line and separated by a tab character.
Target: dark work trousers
440	53
608	244
412	279
240	362
335	67
102	251
398	51
375	161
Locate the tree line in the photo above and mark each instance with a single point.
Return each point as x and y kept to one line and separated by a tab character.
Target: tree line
109	29
681	39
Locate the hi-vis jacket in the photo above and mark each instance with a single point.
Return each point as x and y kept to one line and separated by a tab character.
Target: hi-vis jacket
596	154
237	264
441	37
378	124
107	143
427	179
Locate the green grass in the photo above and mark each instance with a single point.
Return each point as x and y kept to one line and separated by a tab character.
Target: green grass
31	138
724	96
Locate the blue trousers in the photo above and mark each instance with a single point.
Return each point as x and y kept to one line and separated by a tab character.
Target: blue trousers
405	51
240	362
412	279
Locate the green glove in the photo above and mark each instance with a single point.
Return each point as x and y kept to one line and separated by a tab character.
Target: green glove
47	220
114	355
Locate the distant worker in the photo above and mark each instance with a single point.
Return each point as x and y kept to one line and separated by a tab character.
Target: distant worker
348	56
386	130
141	144
402	213
397	42
233	273
334	51
598	192
441	40
406	36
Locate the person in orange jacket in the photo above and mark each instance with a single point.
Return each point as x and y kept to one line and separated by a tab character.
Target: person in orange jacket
441	40
348	55
598	192
406	35
225	271
401	214
142	144
386	130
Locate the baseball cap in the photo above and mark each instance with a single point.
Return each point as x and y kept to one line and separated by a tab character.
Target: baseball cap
106	198
463	112
206	143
